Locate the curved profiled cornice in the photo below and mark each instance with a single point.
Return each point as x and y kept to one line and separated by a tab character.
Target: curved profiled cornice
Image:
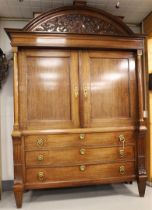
76	26
78	19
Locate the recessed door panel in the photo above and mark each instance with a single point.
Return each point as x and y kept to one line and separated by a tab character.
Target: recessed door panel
50	81
108	88
48	84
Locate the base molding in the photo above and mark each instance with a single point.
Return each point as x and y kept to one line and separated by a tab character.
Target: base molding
7	185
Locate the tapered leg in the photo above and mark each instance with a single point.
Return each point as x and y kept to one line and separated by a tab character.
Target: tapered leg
18	170
142	185
141	163
18	193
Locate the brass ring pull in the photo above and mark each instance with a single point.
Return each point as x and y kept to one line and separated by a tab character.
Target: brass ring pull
82	168
82	136
122	151
40	176
82	151
122	170
40	142
40	158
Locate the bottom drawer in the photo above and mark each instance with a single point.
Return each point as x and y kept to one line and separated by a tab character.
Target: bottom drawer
79	173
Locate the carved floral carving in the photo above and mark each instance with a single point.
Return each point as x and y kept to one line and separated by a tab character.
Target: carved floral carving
3	67
77	23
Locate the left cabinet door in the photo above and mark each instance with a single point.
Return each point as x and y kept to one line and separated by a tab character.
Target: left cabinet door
48	89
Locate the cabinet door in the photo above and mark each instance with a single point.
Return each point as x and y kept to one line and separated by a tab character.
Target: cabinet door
48	89
108	89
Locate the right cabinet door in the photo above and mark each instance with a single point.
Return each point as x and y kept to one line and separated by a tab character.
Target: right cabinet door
108	88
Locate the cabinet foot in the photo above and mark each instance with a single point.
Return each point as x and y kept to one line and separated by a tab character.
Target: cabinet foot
18	193
142	185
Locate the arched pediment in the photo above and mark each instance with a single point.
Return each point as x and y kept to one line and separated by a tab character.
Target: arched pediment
78	19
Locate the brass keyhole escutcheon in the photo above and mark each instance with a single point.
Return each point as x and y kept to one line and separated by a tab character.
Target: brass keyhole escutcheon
82	168
82	136
40	158
76	92
122	170
40	142
121	138
85	91
82	151
40	176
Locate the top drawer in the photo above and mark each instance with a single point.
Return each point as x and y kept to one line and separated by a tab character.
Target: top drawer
69	140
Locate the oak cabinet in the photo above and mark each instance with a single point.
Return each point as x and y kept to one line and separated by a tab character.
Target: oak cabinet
79	101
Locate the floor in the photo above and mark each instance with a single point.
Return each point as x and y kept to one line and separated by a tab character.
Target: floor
104	197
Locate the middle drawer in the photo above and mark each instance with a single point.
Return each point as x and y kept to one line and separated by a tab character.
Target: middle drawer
73	156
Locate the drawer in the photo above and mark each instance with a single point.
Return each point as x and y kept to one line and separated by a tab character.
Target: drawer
80	173
57	157
63	140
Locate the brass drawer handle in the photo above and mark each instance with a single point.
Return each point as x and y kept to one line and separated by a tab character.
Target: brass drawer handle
82	151
82	168
40	176
122	170
82	136
40	142
40	158
121	152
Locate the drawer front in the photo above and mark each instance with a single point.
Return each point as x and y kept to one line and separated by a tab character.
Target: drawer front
78	156
64	140
80	173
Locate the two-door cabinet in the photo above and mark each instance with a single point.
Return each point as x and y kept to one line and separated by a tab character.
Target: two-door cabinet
79	101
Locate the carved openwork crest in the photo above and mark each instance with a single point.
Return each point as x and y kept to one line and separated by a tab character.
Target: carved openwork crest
77	23
78	19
